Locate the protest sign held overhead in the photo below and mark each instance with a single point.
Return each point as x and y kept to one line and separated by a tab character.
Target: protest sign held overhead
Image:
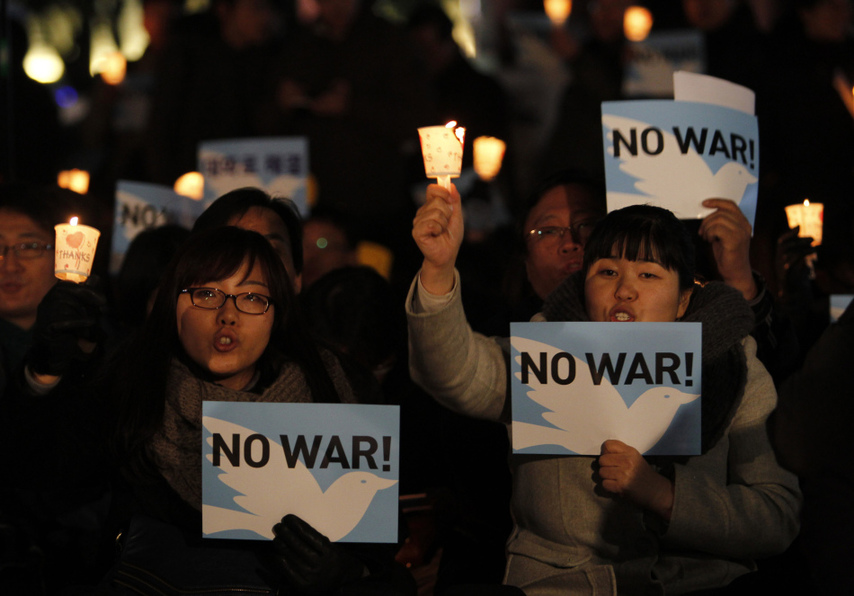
576	385
140	206
675	154
278	166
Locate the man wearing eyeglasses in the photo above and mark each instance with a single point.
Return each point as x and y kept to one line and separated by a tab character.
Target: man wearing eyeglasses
26	271
27	216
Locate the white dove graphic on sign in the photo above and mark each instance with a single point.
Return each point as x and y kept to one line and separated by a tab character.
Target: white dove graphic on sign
585	415
676	188
333	512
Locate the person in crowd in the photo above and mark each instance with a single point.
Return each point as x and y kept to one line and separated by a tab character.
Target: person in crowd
28	214
24	154
637	266
208	81
596	65
328	244
804	109
811	423
227	327
277	219
461	92
732	40
143	264
348	80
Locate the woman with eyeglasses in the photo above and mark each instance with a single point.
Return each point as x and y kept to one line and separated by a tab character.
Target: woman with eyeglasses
224	326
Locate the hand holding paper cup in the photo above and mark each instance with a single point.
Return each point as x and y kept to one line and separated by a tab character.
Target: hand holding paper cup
442	149
75	251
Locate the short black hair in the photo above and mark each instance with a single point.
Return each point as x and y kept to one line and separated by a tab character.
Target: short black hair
640	232
595	185
46	205
237	202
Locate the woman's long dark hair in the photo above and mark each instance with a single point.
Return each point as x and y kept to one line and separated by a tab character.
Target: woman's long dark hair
137	378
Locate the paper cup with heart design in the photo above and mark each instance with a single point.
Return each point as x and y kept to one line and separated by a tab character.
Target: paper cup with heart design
75	251
442	150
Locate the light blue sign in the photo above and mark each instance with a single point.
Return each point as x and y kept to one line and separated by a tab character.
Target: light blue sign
276	165
336	466
838	304
675	154
576	385
652	62
139	206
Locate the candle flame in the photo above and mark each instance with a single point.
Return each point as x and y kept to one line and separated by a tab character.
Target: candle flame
460	133
806	202
451	124
73	221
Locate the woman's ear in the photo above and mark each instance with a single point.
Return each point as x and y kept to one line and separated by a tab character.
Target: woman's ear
684	300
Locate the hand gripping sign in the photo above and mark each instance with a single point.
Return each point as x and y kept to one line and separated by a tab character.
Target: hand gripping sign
333	465
576	385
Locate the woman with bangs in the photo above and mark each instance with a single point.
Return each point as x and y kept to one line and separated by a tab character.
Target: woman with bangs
620	522
224	326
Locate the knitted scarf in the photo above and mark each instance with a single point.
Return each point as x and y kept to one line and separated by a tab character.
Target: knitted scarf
176	448
726	319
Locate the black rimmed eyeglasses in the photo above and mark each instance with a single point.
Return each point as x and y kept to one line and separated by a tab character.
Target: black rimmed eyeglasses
26	250
213	299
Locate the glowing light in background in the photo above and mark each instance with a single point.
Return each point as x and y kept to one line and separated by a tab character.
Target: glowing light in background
557	10
61	24
66	96
191	184
132	34
637	22
114	68
42	62
460	11
101	46
76	180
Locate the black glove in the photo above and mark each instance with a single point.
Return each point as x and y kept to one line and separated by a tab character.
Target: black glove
309	561
66	329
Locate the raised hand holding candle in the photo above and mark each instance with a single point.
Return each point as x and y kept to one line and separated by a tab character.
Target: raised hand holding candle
442	150
810	218
488	155
75	251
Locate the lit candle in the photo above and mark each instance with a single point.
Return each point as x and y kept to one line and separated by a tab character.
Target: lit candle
75	251
76	180
810	218
442	150
488	155
558	11
637	21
